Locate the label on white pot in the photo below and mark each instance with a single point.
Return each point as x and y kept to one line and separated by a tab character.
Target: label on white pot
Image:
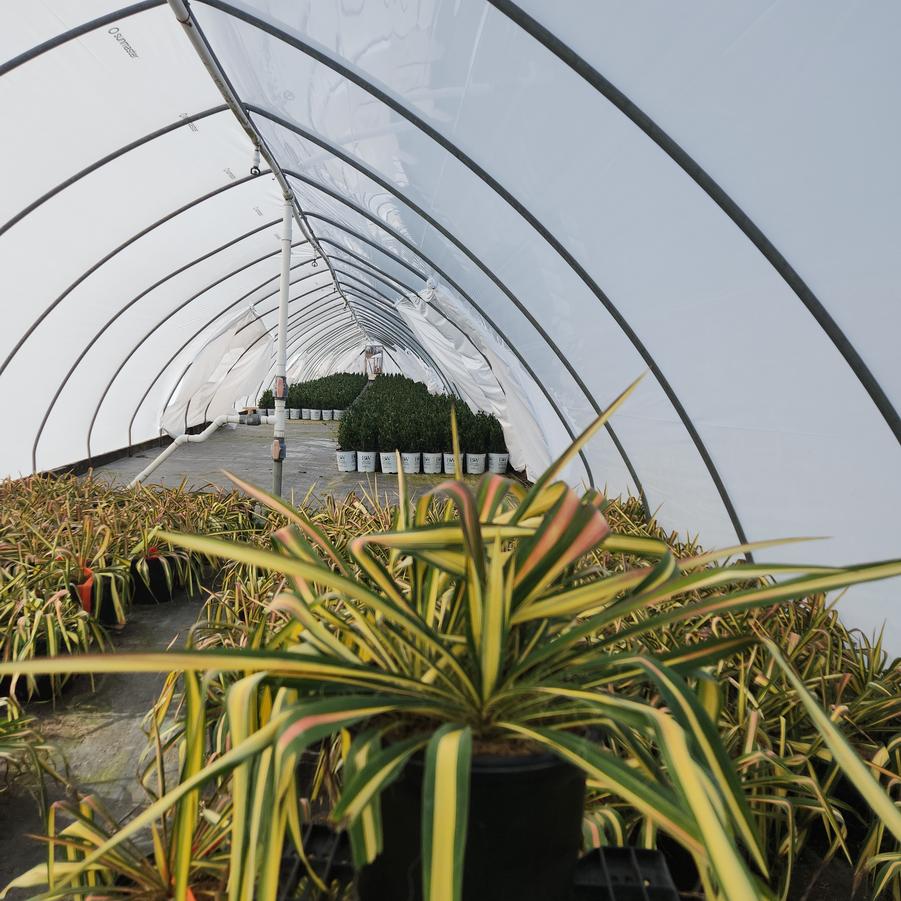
410	461
316	414
327	414
365	461
497	463
304	413
347	461
431	463
449	464
475	463
337	414
388	461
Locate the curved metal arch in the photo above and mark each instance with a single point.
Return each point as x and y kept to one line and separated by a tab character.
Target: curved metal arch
438	373
329	315
110	157
482	266
297	317
397	336
522	360
375	311
379	294
167	317
335	331
382	278
319	357
77	32
121	311
402	333
312	306
380	275
382	331
300	335
418	122
371	314
396	320
206	325
717	194
338	348
259	317
381	306
463	248
91	270
403	338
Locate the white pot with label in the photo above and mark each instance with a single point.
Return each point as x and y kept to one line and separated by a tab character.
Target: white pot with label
431	463
295	413
270	411
448	464
388	461
326	414
497	463
475	463
347	461
337	414
410	461
305	413
316	415
365	461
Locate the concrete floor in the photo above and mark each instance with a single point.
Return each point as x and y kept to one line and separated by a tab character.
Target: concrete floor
246	451
99	733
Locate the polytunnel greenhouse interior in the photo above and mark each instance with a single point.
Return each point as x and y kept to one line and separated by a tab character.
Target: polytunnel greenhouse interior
450	450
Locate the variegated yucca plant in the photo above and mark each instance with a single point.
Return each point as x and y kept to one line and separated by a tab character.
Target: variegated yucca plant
472	621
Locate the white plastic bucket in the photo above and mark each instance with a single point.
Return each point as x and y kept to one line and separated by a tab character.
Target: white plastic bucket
448	464
326	414
475	464
431	463
337	414
498	463
365	461
305	413
316	414
347	461
410	461
295	413
388	461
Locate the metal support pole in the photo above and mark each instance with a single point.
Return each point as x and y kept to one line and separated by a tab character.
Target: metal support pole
279	449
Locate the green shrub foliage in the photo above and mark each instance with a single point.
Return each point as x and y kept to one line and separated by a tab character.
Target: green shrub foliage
267	400
397	413
332	392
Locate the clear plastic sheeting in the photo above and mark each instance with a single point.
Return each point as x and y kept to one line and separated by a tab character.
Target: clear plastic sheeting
218	380
707	195
484	375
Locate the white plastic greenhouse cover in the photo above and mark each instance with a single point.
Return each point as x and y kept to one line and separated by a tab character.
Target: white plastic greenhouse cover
708	192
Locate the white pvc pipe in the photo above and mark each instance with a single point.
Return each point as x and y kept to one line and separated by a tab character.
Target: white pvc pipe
281	380
217	423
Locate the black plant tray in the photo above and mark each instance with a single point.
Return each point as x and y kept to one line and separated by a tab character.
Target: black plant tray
606	874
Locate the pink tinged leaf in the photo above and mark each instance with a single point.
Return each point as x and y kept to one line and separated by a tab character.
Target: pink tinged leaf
552	533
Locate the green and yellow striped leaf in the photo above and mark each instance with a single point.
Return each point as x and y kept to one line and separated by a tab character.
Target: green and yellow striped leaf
445	812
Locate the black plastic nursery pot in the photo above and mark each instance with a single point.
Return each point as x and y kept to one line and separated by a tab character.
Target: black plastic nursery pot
85	593
43	683
522	841
156	589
